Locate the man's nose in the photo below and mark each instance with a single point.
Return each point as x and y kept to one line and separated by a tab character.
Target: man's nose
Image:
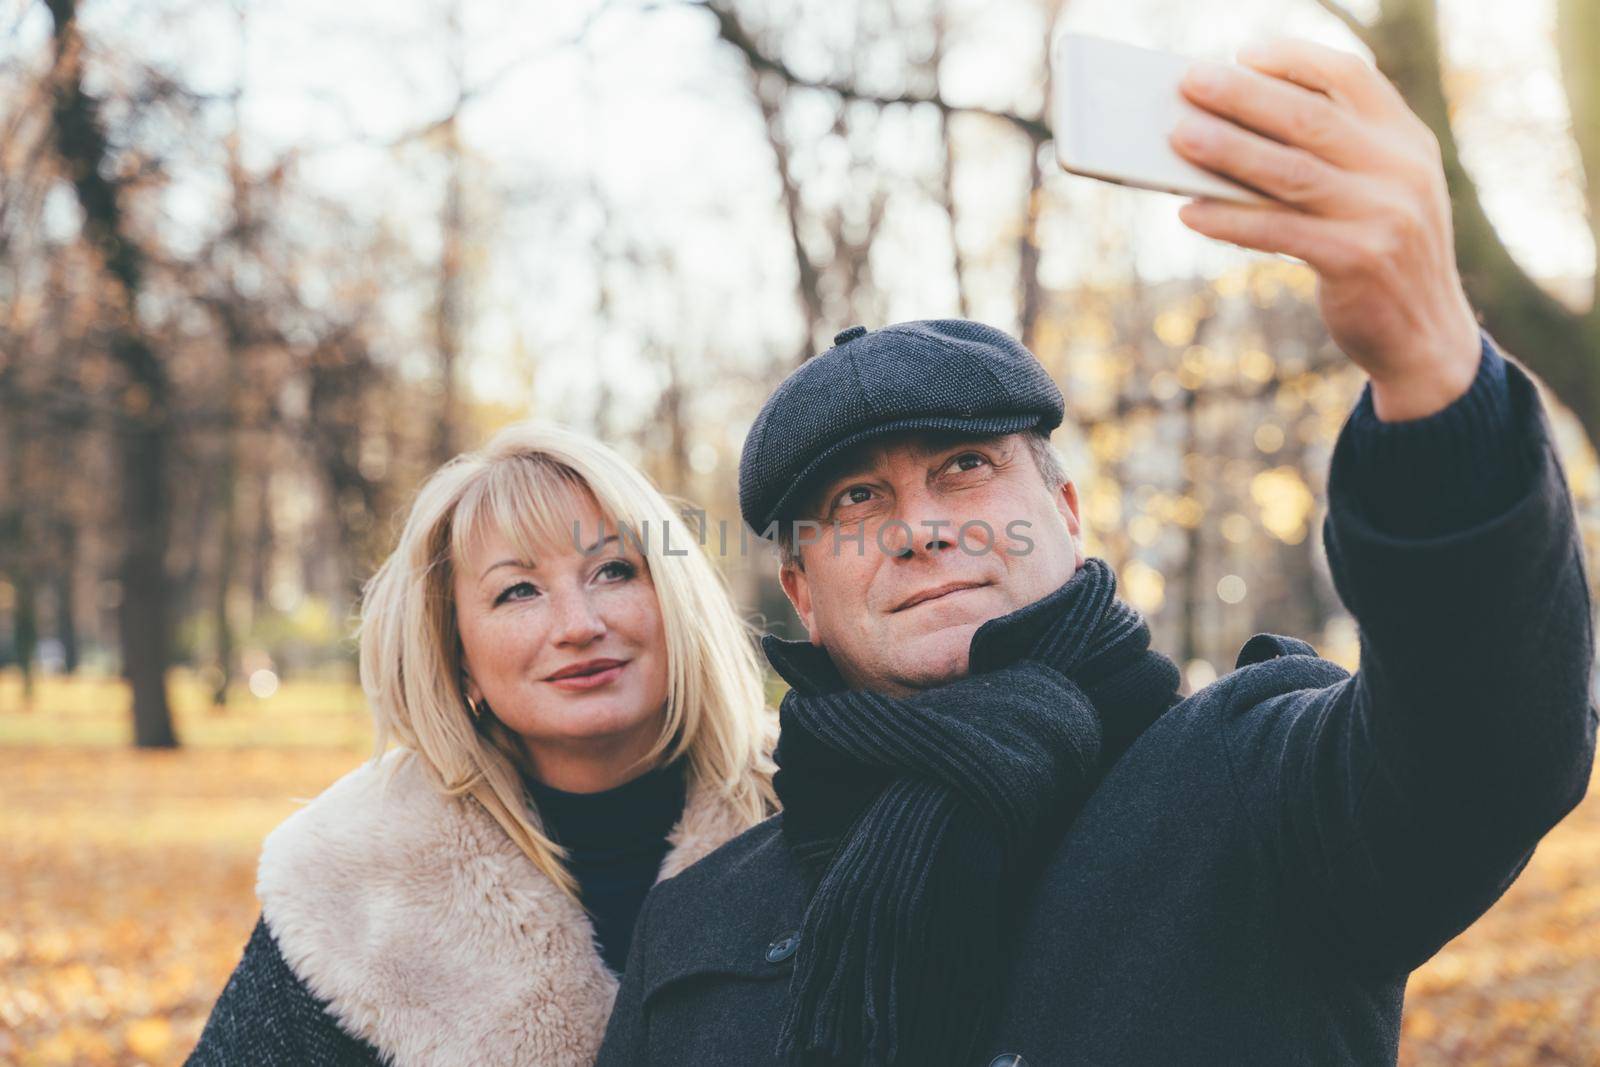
576	620
921	526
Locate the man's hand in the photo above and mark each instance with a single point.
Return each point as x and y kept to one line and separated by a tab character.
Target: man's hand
1362	200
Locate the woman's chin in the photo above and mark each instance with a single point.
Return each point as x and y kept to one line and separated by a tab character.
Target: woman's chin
589	717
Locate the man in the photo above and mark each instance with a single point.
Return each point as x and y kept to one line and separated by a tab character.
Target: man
1005	841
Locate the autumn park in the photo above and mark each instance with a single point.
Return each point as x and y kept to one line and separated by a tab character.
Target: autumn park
265	267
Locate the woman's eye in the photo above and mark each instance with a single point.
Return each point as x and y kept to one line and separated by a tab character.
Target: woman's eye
514	592
618	569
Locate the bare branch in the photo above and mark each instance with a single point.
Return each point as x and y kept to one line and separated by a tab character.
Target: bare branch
731	30
1356	26
808	276
468	94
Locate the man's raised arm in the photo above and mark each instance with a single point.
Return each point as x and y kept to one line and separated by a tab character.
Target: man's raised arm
1402	802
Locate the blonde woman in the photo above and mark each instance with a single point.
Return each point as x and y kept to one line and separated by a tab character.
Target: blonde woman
576	713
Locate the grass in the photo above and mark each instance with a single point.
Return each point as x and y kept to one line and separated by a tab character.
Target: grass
95	711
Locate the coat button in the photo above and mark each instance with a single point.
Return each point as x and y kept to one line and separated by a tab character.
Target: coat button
1008	1059
783	948
849	333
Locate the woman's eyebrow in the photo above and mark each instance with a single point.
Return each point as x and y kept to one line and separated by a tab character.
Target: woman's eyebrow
526	565
530	565
598	545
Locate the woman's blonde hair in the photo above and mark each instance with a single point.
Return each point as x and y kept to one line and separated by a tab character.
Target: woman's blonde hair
527	484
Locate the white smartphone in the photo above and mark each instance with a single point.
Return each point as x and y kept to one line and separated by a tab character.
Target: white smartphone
1114	107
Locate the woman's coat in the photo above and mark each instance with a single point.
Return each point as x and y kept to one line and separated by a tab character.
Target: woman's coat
408	921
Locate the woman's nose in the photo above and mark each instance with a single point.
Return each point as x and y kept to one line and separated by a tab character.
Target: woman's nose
576	620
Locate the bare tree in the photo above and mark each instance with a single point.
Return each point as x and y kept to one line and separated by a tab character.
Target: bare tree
769	91
449	314
947	162
851	238
143	425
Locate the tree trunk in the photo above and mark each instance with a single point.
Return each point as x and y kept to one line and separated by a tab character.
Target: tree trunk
947	168
227	544
262	544
1031	292
16	553
448	315
25	629
808	279
1031	296
1194	546
1190	641
66	602
143	616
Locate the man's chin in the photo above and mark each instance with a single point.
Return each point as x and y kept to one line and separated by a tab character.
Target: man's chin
938	657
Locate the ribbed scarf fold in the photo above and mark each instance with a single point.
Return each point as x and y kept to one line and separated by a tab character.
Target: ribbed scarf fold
921	819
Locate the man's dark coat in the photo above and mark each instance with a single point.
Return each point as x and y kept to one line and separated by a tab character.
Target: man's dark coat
1256	877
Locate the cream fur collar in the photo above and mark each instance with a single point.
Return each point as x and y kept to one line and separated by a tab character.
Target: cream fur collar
431	936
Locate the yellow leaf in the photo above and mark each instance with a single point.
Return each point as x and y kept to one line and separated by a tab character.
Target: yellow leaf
148	1038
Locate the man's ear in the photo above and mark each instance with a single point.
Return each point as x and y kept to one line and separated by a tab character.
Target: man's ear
1066	502
797	587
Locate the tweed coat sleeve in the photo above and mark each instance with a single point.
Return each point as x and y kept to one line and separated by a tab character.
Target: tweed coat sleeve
266	1017
1400	803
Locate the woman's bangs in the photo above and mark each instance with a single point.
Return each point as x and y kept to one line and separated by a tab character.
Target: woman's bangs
533	503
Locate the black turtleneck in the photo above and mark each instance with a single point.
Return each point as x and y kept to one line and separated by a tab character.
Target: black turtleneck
615	842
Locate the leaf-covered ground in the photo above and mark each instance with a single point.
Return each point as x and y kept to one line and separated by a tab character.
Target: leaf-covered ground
129	884
126	879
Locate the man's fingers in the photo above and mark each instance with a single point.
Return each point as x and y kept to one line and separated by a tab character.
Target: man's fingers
1284	173
1344	76
1274	108
1329	246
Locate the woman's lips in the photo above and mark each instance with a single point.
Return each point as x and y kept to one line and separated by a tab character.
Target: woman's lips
580	682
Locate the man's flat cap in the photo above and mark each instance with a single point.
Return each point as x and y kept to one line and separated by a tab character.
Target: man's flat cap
936	374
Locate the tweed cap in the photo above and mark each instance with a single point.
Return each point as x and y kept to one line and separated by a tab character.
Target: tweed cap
934	374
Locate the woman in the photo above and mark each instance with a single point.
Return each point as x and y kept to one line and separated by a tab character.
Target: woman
577	714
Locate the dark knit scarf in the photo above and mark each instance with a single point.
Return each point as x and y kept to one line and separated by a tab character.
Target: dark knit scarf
921	820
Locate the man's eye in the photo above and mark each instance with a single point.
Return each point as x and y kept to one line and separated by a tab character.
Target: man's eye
856	494
515	592
969	461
